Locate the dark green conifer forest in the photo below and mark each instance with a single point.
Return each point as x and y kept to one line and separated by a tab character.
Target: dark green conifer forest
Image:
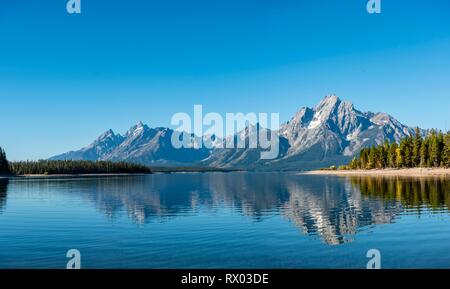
4	165
45	167
432	151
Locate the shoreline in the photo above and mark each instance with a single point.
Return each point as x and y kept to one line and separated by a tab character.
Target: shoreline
72	175
162	171
412	172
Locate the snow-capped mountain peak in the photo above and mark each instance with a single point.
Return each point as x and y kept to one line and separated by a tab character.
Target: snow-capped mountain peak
335	129
137	129
332	132
328	102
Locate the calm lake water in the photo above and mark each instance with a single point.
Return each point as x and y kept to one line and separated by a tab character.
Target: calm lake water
225	220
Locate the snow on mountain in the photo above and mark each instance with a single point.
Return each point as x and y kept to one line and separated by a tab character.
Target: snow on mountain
334	131
330	133
103	145
242	150
140	144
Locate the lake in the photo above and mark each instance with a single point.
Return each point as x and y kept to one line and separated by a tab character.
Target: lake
225	220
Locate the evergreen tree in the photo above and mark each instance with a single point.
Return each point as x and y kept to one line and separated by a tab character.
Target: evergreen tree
405	152
435	150
441	148
417	144
4	165
424	159
392	155
44	167
407	156
446	150
384	154
371	163
399	158
431	151
379	157
363	158
354	164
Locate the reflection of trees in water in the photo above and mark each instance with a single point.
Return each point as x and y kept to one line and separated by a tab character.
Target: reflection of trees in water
410	192
330	208
3	193
335	209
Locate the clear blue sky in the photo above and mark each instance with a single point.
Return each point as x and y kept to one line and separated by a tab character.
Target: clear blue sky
64	79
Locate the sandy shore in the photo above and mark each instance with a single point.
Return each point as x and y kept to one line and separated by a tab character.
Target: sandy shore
416	172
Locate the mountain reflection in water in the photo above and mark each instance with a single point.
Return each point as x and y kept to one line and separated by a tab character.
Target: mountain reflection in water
332	208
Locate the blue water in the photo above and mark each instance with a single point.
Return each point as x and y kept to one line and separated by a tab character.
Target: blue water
224	220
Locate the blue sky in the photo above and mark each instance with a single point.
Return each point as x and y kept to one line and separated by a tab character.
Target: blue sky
64	79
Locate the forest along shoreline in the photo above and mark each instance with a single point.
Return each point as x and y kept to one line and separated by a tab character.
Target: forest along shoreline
167	170
407	172
414	156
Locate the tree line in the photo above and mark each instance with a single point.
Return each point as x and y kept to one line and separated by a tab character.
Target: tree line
47	167
431	151
4	165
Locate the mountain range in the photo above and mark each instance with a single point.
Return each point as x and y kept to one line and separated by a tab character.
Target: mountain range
331	133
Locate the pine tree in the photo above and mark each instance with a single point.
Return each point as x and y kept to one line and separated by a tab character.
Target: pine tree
431	151
379	157
446	150
384	154
75	167
4	165
424	159
363	158
407	156
417	144
399	158
371	163
354	164
441	147
435	150
405	152
392	155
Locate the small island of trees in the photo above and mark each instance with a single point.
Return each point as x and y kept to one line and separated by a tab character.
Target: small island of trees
433	151
68	167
